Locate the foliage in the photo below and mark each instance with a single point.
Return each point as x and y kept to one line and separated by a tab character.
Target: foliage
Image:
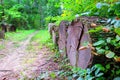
23	14
14	16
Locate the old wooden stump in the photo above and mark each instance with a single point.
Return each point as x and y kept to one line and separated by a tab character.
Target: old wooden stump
62	41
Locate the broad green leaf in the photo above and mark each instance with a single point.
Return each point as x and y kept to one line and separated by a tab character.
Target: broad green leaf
110	54
101	51
117	38
99	66
108	40
99	43
117	30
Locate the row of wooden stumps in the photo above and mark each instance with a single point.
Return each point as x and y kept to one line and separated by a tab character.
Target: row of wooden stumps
4	27
74	40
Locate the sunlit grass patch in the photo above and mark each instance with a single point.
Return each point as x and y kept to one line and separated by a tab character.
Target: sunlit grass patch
42	37
18	35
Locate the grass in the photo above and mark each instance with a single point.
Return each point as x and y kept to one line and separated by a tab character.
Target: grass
19	35
42	37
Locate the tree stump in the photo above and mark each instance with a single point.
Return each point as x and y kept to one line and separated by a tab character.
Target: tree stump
62	41
4	27
53	30
2	35
74	35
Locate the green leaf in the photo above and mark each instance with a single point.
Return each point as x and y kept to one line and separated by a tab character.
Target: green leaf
80	78
117	24
110	54
107	66
97	29
101	51
99	66
99	75
117	78
117	31
117	38
118	72
108	40
97	71
99	43
113	21
89	71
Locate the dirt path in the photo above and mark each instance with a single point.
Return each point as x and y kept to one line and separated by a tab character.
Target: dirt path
19	63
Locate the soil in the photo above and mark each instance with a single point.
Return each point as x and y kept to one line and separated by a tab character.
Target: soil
24	60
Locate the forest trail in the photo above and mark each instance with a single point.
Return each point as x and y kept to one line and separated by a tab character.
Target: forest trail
20	62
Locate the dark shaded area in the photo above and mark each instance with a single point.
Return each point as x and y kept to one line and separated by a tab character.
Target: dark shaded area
8	27
12	28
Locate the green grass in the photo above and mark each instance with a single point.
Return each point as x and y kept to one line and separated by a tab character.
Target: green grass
42	37
18	35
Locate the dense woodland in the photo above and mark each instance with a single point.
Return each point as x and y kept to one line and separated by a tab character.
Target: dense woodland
101	17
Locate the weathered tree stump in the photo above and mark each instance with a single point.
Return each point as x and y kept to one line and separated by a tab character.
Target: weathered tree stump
4	27
62	41
53	30
2	35
73	40
84	55
77	37
51	27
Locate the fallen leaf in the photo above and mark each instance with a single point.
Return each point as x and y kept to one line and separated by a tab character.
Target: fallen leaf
95	53
105	29
117	59
83	47
93	25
